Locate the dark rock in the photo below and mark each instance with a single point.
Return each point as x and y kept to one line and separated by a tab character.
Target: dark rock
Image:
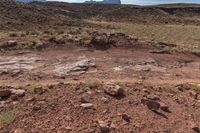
85	99
5	93
146	91
195	127
36	108
152	105
126	117
38	90
14	97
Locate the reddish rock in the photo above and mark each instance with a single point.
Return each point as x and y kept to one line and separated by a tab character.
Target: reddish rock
164	107
113	90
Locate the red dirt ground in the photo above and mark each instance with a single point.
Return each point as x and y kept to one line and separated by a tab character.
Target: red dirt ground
58	108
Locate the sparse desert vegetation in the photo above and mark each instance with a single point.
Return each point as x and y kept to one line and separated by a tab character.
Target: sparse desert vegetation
92	68
7	117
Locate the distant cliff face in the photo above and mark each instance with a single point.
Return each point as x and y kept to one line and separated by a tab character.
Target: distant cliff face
105	2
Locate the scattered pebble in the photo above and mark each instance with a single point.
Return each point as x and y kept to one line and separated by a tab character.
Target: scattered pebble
19	130
145	91
126	117
30	99
104	99
85	99
36	108
193	94
38	90
164	107
87	105
152	97
104	127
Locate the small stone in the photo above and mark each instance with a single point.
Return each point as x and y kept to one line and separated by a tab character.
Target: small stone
19	93
11	43
193	94
85	99
126	117
19	130
14	97
145	91
38	90
164	107
36	108
5	93
87	105
152	105
152	97
15	103
89	92
52	128
104	127
68	128
104	99
30	99
112	126
114	90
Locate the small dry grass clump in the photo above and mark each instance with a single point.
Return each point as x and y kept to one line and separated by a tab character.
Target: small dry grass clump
86	40
7	117
195	86
3	35
13	34
92	83
195	52
35	89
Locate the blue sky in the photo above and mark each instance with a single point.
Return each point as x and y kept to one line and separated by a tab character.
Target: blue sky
143	2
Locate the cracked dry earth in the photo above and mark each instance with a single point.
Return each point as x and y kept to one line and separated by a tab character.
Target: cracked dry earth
160	91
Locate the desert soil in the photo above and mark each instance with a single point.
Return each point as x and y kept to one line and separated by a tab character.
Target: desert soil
68	68
138	71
